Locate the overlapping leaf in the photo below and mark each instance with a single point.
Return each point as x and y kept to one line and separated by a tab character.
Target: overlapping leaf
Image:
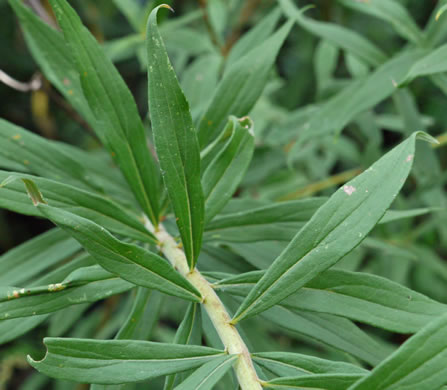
118	122
118	361
337	228
130	262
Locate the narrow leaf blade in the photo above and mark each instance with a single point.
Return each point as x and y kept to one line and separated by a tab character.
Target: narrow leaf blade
176	142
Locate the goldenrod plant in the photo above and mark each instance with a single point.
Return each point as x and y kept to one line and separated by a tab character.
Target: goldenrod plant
240	236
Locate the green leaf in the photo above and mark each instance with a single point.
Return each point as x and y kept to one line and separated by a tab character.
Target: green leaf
225	172
53	57
118	361
188	332
318	382
330	330
34	256
208	375
254	37
358	296
337	228
339	36
294	364
143	310
83	285
119	125
134	13
277	221
392	12
433	63
396	215
418	364
13	328
176	142
32	151
130	262
241	86
99	209
361	95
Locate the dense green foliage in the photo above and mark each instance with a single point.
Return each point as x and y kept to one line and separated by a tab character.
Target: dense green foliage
198	237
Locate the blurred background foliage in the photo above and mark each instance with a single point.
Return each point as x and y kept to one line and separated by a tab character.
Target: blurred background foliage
308	72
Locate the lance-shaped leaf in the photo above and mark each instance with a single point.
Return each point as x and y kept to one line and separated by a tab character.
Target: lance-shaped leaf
27	260
334	230
176	142
339	36
294	364
317	382
418	364
89	284
278	221
223	175
361	95
118	361
358	296
54	58
99	209
241	86
392	12
254	37
208	375
433	63
119	125
130	262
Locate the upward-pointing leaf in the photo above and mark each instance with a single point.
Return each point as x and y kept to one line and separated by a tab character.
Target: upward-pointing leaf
241	86
339	36
334	230
119	125
175	141
130	262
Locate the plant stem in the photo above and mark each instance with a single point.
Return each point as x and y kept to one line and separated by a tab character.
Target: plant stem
230	337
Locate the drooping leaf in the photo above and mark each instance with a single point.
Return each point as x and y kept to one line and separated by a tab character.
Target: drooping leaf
119	125
176	142
208	375
418	364
241	86
118	361
337	228
225	172
392	12
130	262
339	36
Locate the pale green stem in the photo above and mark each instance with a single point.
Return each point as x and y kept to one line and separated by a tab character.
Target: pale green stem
230	337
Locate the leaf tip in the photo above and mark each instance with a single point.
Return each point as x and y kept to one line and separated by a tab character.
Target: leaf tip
33	192
168	7
423	136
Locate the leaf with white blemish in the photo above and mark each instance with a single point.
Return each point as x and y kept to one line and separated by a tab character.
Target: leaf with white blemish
334	230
